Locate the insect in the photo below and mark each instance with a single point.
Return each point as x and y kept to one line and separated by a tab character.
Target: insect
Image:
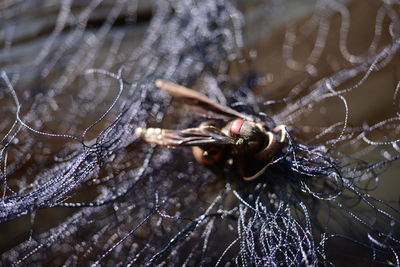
229	138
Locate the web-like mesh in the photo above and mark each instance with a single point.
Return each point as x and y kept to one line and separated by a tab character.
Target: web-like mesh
79	188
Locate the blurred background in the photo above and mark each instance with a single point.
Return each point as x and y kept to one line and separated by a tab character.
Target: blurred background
79	188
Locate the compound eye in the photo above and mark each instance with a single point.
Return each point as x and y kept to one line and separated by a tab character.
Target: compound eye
236	125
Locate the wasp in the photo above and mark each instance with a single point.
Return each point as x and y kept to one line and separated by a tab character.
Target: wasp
229	138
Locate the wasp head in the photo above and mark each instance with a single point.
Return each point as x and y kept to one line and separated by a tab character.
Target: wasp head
249	134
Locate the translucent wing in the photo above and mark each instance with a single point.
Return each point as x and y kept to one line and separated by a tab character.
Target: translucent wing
199	102
200	136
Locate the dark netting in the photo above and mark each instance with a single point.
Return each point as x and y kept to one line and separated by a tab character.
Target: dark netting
79	188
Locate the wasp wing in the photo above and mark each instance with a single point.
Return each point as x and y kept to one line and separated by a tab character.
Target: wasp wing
200	136
199	102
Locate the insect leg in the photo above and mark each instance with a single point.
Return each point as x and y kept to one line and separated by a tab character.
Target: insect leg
270	149
281	128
